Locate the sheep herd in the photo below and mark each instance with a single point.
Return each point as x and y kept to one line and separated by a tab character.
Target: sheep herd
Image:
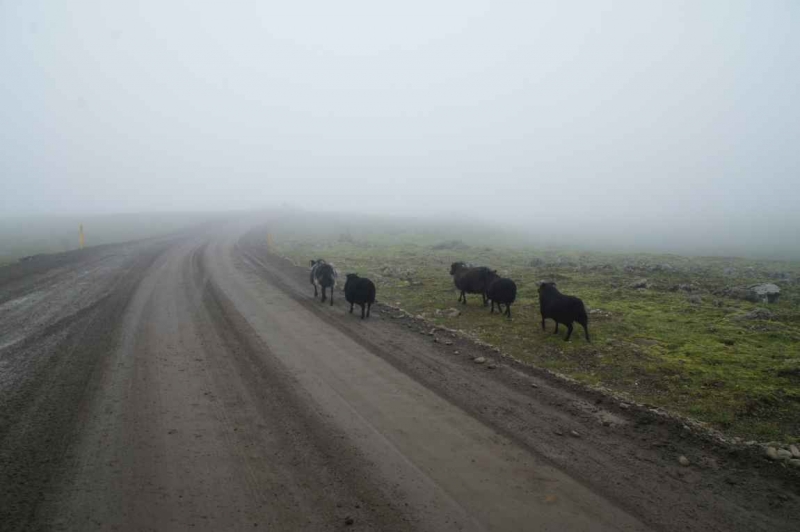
495	290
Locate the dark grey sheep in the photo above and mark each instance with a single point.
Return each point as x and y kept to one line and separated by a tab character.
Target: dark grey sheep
469	280
562	309
500	291
359	291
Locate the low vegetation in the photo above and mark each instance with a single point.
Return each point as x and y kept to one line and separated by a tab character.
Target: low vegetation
663	331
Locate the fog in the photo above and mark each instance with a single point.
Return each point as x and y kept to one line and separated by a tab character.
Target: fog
633	125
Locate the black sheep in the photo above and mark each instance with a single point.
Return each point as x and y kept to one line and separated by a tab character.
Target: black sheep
562	309
359	291
502	291
323	275
469	280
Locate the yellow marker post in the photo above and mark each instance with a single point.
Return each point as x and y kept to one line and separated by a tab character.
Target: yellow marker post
81	238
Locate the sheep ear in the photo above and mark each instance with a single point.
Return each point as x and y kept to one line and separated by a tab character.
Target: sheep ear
312	262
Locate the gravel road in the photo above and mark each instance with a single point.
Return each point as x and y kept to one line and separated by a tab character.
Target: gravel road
194	383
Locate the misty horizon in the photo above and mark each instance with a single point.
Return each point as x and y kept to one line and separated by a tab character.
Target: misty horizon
609	125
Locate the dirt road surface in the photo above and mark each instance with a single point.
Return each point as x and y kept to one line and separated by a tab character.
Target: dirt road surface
194	383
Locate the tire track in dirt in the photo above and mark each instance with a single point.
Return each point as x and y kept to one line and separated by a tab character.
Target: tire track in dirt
313	452
42	414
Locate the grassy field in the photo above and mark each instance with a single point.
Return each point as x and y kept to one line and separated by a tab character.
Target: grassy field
688	350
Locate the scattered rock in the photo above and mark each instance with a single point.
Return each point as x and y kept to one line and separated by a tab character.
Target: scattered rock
558	432
448	342
574	434
639	284
624	406
762	293
795	462
767	293
479	360
431	332
757	314
772	453
491	366
456	352
795	451
452	313
783	454
684	288
349	521
534	385
450	244
695	299
435	340
683	461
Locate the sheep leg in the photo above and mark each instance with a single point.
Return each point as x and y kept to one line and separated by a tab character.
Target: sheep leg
351	308
556	331
369	307
362	311
492	311
543	327
315	290
508	310
324	297
331	296
569	332
586	331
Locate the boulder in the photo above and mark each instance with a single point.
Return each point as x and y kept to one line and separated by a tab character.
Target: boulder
688	288
759	293
757	314
639	284
695	299
766	293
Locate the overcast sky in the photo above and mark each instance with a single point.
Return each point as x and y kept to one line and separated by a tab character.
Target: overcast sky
637	117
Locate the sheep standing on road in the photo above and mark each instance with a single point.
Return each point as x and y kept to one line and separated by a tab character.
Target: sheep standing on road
359	291
562	309
501	291
469	280
323	275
